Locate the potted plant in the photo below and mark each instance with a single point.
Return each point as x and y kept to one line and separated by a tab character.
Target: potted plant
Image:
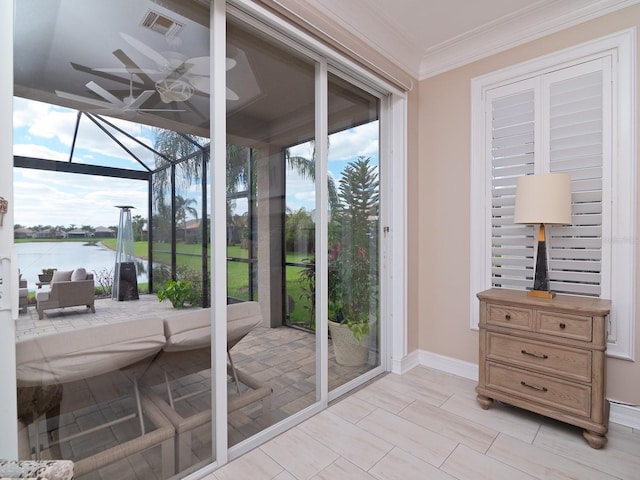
46	275
179	293
352	291
353	274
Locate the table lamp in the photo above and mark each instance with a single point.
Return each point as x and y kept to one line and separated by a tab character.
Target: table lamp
543	199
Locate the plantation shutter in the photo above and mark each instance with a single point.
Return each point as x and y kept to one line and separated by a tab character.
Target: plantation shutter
576	147
553	123
512	155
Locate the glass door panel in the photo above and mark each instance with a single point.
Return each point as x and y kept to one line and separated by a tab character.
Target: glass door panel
122	87
270	106
354	273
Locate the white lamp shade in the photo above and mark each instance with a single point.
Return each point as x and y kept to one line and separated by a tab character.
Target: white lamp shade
544	198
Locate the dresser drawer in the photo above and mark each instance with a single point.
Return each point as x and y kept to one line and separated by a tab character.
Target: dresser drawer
578	327
572	363
507	316
563	396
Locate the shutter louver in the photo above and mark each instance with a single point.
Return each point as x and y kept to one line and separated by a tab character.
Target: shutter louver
575	147
512	155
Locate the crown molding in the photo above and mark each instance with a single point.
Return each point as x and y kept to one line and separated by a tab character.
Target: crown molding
528	24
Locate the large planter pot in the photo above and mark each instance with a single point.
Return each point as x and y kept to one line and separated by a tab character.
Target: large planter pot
348	351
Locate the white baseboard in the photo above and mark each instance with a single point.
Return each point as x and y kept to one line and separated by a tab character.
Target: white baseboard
626	415
449	365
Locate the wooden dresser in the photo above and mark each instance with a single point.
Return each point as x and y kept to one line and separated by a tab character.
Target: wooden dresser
546	356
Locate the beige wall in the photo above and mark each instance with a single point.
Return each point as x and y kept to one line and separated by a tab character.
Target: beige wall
441	197
413	220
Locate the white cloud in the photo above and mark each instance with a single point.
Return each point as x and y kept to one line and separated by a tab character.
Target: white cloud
354	142
38	126
54	198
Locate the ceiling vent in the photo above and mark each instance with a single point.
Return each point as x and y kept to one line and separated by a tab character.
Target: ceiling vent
161	24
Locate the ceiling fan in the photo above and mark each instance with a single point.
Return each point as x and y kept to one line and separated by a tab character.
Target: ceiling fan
112	104
183	74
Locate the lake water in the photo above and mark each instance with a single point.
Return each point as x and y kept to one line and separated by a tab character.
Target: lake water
34	256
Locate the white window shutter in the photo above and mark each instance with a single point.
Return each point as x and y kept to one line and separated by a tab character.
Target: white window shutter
576	147
552	125
512	155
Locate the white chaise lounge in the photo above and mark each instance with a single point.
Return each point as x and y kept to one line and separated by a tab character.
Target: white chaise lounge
188	351
114	356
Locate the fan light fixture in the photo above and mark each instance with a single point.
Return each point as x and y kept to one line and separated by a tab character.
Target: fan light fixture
174	90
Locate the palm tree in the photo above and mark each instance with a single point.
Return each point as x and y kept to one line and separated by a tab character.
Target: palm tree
306	167
183	207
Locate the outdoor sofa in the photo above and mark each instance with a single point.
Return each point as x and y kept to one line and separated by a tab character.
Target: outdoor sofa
67	289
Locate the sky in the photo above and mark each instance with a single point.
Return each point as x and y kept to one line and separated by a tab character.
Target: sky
62	199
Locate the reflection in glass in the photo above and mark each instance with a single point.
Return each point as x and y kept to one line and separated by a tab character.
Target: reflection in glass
118	89
353	230
273	109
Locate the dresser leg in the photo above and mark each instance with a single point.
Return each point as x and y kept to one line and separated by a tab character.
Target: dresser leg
595	440
485	402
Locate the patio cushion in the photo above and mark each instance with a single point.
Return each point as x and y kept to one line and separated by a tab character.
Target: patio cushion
188	330
77	354
79	274
191	330
61	276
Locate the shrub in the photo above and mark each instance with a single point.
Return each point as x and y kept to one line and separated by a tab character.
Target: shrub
178	292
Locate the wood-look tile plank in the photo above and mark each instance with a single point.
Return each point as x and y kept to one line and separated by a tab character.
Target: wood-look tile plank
343	469
515	422
299	454
400	465
567	441
541	462
353	443
352	409
414	439
454	427
467	464
255	465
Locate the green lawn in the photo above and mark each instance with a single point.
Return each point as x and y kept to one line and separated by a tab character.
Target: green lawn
189	257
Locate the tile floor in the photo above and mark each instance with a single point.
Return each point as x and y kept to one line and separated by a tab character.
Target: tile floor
427	425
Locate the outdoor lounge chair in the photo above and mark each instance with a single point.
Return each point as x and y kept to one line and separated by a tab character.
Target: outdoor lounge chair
104	361
68	289
188	351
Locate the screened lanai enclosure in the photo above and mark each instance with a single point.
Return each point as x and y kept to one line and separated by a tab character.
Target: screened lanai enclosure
122	104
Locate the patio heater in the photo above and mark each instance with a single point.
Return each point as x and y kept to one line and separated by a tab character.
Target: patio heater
125	279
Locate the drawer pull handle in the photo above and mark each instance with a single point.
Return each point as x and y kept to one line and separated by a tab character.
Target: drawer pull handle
541	389
562	325
507	317
537	355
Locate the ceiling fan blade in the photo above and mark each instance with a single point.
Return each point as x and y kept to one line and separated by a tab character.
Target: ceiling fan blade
131	65
143	97
105	75
159	110
126	70
198	65
231	95
147	51
200	83
88	101
93	86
